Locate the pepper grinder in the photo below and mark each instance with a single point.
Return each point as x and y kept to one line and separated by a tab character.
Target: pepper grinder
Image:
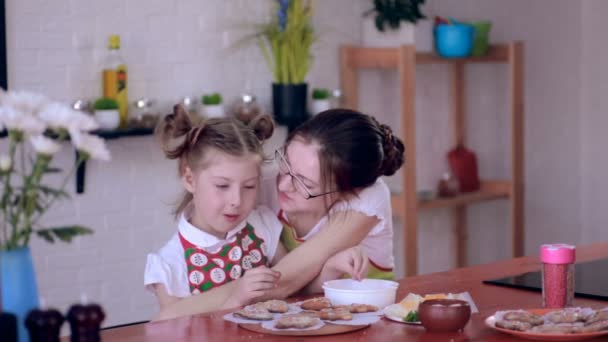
85	321
8	327
44	325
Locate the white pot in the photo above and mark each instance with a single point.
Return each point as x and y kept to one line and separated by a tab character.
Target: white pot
213	111
420	34
319	106
108	119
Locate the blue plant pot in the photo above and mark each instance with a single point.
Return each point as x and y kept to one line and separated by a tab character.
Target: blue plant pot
454	40
18	286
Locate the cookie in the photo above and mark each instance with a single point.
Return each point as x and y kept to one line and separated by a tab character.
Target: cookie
316	304
333	314
296	321
358	308
275	305
254	312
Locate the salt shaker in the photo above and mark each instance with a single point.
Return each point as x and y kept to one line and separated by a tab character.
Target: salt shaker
557	274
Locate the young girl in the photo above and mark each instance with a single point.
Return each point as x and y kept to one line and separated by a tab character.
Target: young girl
218	257
221	238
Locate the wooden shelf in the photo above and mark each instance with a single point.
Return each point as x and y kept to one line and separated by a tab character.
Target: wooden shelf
405	204
114	134
382	58
491	190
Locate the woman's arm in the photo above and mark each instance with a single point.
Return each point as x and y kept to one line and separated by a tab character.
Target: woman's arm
343	230
352	261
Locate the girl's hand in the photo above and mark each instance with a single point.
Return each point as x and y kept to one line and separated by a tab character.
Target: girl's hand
255	283
352	261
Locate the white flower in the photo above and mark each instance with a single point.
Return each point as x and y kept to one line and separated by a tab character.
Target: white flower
92	145
44	145
58	115
24	102
14	119
5	163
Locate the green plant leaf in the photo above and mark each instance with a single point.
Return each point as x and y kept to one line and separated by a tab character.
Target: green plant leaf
53	192
52	170
105	103
65	234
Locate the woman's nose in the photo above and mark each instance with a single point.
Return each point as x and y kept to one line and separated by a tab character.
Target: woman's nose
285	183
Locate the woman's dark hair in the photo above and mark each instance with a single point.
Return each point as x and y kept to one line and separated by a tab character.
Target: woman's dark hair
354	148
189	143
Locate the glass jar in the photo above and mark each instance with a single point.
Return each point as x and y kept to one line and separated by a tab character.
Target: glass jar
557	274
246	108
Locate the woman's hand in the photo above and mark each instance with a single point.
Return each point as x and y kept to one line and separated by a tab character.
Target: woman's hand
254	284
352	261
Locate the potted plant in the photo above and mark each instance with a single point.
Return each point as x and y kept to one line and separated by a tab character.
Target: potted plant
320	100
285	43
31	119
107	113
391	23
212	105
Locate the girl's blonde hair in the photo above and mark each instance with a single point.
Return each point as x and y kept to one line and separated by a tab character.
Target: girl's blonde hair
189	143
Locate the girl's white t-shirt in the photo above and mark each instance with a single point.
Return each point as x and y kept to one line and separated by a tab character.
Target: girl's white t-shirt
168	265
374	200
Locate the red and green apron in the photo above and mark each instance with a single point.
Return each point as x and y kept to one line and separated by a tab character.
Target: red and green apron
209	269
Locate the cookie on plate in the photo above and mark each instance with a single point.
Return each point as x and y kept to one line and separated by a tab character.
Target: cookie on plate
254	312
296	321
335	314
358	308
316	304
275	305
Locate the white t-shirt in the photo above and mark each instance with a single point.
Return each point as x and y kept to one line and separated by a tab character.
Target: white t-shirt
168	265
374	200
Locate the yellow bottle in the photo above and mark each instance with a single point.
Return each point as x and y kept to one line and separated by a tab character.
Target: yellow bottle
115	78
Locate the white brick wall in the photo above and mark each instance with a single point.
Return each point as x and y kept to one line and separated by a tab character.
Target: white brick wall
173	49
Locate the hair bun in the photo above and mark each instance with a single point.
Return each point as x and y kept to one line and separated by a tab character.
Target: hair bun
394	152
174	126
262	126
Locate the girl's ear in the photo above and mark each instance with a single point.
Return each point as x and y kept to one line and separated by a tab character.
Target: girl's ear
188	179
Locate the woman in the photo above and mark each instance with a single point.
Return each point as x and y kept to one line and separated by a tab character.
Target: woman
331	166
330	197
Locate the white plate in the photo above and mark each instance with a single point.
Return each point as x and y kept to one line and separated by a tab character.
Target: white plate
400	320
388	314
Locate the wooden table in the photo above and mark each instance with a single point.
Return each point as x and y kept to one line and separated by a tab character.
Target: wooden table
488	298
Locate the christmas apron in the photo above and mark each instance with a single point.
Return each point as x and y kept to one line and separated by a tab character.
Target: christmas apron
209	269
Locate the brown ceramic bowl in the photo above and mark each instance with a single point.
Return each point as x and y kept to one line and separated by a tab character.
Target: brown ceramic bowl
444	315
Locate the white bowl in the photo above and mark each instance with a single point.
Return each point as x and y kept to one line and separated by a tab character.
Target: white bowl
380	293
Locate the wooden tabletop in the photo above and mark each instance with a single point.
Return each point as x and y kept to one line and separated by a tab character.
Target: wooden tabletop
488	298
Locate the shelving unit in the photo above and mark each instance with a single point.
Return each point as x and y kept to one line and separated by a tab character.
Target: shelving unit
406	205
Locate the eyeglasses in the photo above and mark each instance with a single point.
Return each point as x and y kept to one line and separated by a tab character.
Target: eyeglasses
298	184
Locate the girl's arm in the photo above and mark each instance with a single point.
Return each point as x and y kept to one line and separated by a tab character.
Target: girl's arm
343	230
253	285
172	307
